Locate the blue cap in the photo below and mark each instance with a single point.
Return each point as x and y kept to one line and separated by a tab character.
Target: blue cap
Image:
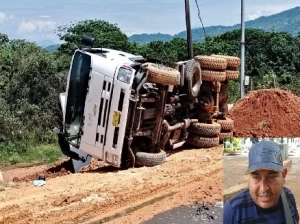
265	155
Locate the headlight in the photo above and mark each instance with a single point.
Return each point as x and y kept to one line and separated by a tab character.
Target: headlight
124	75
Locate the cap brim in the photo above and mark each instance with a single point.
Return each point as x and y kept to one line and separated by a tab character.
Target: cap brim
265	166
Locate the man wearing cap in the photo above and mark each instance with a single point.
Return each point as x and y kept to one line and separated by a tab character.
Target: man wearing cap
266	200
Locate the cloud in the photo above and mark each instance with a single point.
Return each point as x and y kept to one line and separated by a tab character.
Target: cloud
41	25
26	27
252	16
2	17
31	26
44	16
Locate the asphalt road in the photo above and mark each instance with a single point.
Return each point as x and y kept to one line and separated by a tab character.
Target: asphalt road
189	215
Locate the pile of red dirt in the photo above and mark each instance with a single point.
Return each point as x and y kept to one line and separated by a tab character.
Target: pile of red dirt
267	113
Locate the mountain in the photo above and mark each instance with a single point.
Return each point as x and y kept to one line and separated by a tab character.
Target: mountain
45	43
52	48
286	21
142	38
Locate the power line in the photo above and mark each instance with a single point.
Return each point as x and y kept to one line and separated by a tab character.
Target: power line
199	16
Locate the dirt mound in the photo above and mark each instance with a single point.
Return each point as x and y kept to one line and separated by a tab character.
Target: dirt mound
267	113
60	168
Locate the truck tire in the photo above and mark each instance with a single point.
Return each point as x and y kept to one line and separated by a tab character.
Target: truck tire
213	76
224	135
232	62
162	74
208	130
232	74
202	142
226	125
193	77
209	62
150	159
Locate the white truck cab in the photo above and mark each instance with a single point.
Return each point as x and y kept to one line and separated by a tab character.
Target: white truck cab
95	105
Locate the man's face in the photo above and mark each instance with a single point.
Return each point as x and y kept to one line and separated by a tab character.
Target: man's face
265	187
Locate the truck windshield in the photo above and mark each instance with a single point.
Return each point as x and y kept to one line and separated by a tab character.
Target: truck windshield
77	91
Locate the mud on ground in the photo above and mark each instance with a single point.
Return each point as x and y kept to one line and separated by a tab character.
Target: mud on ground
266	113
189	176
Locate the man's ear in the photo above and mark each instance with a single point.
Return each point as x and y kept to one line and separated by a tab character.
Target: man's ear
284	173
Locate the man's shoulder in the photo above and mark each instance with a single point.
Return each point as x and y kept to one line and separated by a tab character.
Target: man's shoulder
240	198
289	194
239	207
242	195
287	190
292	203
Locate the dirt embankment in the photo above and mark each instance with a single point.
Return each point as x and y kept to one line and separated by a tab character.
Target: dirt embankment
189	176
267	113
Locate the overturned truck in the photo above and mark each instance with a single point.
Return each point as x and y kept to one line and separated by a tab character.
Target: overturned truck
124	110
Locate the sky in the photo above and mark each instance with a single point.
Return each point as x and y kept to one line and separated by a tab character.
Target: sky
37	20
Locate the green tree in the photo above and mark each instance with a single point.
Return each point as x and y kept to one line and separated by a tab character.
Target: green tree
3	38
106	35
233	91
30	85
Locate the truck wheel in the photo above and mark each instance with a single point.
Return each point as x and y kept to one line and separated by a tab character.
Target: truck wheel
213	76
226	125
232	62
202	129
232	75
162	74
210	62
193	78
224	135
202	142
150	159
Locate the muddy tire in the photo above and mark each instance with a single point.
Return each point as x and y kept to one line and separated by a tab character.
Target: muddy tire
226	125
209	62
193	77
232	75
162	74
208	130
150	159
232	62
224	135
202	142
213	76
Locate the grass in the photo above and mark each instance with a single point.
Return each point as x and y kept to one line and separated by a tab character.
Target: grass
235	148
14	154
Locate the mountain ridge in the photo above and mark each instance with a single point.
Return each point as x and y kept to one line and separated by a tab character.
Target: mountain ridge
285	21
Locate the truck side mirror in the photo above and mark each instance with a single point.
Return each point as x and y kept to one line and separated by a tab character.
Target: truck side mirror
88	41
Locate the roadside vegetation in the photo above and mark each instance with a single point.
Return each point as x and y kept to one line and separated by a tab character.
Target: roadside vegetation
31	78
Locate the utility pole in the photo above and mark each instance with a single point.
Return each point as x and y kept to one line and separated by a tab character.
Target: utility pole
242	75
188	30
